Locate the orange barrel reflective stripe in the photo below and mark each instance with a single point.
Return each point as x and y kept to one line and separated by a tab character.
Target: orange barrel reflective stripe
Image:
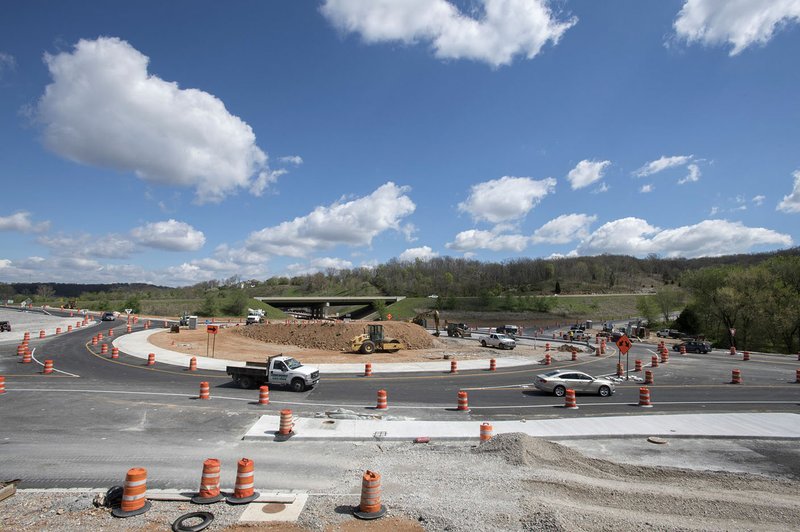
205	390
648	377
368	369
383	400
654	361
243	490
736	377
151	359
286	423
463	401
193	364
263	395
370	506
134	490
209	483
48	367
638	364
492	365
453	366
644	397
486	432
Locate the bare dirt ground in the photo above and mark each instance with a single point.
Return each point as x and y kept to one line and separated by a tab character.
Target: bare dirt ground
323	343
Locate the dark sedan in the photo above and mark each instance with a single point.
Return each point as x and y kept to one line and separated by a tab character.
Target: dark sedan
693	346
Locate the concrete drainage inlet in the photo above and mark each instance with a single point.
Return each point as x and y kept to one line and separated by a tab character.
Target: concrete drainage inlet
273	508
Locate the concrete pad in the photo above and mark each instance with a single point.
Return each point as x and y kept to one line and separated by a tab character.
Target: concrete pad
744	425
257	512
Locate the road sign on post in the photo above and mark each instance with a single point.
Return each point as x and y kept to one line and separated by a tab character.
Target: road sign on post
212	329
388	316
624	344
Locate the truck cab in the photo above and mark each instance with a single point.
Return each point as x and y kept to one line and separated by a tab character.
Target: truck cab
277	370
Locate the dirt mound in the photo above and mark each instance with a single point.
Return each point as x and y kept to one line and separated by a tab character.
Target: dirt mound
333	336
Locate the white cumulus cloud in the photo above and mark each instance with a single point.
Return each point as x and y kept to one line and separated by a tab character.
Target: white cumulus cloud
738	23
110	246
473	239
661	164
424	253
320	264
21	221
791	202
587	172
105	109
692	176
564	229
759	200
501	29
170	235
634	236
646	188
506	199
353	223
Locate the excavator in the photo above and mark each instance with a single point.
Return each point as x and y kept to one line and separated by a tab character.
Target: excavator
420	320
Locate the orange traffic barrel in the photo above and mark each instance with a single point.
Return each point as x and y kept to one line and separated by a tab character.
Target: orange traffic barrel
151	359
48	367
574	355
94	340
453	366
128	328
654	361
3	384
286	423
263	395
370	506
620	369
638	365
205	391
20	350
733	350
569	399
26	357
27	336
110	333
463	401
664	356
209	483
104	349
69	328
58	330
368	369
492	365
683	349
193	364
746	355
603	347
486	431
736	377
648	377
134	489
597	351
644	397
547	359
99	336
547	346
243	490
383	401
115	352
41	334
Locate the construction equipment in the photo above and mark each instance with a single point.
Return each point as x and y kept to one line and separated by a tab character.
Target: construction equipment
459	330
373	340
420	320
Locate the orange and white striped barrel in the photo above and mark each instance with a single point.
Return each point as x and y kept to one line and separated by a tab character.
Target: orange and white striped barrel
110	333
638	365
115	352
463	401
547	346
368	369
648	377
654	361
26	357
27	336
104	349
48	367
733	351
453	366
41	334
69	328
664	356
569	399
370	493
548	359
151	359
134	490
736	376
620	370
287	424
209	483
746	355
99	336
20	350
263	395
205	391
193	364
644	397
94	340
2	385
683	349
58	330
128	328
383	400
597	351
486	431
602	347
574	355
77	324
492	365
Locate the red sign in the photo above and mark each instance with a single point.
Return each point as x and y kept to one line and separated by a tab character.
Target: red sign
212	329
388	316
624	344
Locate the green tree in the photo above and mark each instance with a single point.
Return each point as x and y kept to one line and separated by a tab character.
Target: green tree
210	306
238	303
647	309
132	302
667	300
380	307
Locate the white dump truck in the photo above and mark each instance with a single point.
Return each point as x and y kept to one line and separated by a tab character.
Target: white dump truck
277	370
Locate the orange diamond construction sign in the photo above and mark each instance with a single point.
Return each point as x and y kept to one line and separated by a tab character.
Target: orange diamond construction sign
624	344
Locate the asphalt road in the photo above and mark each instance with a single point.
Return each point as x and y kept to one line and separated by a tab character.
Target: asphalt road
94	417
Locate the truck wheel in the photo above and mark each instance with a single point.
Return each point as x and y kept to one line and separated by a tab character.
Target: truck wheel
367	348
246	382
298	385
483	343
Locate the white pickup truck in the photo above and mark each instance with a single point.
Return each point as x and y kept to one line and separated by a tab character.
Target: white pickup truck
500	341
277	369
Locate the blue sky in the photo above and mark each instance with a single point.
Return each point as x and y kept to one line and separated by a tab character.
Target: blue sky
175	142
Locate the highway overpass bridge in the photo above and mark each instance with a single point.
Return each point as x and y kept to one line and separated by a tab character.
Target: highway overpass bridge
321	306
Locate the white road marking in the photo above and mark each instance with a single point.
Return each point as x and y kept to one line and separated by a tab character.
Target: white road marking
54	369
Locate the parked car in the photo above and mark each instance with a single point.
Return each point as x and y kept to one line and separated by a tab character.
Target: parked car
501	341
510	330
108	316
559	381
694	346
663	333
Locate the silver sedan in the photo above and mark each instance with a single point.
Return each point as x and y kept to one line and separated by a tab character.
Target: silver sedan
559	381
